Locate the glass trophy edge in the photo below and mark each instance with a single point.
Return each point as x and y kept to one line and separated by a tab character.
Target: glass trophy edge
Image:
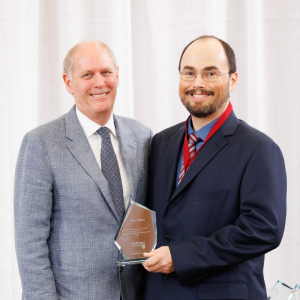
270	294
140	205
294	290
133	261
120	249
153	215
122	222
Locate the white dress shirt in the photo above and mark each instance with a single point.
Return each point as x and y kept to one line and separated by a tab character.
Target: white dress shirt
90	127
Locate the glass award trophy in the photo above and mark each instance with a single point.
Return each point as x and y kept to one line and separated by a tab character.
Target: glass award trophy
136	235
294	294
280	291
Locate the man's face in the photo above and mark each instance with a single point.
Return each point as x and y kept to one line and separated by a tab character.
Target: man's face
202	98
94	82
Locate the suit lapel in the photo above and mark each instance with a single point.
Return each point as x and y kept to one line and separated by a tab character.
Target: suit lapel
79	146
128	148
207	153
174	147
209	150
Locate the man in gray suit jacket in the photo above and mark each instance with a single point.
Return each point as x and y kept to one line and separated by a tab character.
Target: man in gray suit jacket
74	179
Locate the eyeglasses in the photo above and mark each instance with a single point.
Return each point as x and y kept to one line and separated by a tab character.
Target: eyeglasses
188	75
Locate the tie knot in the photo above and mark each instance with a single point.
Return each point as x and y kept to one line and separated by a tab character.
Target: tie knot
103	132
193	139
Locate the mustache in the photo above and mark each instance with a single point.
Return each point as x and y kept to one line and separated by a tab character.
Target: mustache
202	91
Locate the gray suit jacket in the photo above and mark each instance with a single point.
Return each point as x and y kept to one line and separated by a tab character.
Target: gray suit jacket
65	220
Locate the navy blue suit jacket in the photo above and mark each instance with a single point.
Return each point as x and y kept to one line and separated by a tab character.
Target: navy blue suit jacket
227	212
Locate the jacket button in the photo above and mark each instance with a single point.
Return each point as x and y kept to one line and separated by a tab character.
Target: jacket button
121	269
166	276
167	239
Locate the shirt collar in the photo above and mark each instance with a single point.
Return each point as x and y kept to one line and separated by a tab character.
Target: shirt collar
90	127
203	132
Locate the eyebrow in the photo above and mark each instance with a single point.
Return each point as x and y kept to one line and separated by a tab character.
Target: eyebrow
93	71
209	68
188	68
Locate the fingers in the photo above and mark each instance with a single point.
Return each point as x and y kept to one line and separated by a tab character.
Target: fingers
159	261
151	261
160	267
149	254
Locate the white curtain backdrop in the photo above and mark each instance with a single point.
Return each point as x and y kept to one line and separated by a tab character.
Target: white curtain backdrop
147	37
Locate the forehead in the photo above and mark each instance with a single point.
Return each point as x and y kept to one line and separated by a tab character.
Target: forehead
203	53
91	56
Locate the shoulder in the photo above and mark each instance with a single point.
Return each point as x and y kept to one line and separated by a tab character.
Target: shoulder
38	143
136	128
252	135
49	132
251	142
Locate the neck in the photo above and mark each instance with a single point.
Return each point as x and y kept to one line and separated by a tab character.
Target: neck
100	119
198	123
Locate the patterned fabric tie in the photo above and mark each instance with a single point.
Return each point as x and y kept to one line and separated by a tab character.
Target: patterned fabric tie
110	170
193	140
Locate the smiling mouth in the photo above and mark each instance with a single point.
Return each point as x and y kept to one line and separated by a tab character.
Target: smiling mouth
200	95
99	95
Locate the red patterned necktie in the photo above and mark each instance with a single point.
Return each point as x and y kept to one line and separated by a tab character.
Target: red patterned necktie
193	140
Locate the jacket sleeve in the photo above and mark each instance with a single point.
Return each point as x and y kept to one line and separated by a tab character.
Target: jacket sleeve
257	230
33	206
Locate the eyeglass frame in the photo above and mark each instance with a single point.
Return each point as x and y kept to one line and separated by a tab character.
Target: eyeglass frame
196	74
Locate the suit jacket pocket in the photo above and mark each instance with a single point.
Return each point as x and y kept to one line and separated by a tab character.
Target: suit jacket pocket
223	290
217	195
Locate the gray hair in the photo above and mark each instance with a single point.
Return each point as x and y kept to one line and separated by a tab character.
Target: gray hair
68	64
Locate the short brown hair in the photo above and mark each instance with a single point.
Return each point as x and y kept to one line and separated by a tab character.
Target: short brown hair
228	50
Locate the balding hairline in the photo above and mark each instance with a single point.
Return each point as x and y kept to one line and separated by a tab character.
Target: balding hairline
68	63
228	51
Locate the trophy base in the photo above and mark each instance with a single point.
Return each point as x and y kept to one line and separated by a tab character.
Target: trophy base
134	261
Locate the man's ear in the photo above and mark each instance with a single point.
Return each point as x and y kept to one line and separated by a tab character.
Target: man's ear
68	83
233	81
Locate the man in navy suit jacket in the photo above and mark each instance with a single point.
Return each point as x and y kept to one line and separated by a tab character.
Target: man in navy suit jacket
221	201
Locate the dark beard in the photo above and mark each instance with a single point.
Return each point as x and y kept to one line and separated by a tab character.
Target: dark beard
200	111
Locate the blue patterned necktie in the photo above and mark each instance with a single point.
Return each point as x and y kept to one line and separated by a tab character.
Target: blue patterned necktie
110	170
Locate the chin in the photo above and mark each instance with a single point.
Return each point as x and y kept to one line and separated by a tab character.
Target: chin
102	110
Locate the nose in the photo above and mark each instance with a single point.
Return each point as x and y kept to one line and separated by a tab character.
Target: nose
98	80
199	82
